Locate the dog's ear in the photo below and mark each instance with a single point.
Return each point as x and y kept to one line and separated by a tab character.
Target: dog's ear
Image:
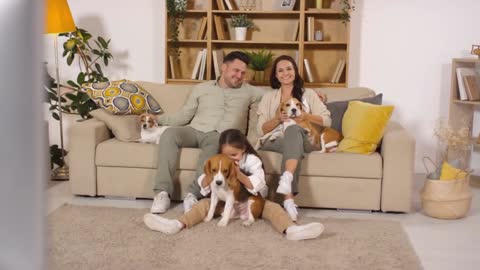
300	106
141	118
232	180
208	172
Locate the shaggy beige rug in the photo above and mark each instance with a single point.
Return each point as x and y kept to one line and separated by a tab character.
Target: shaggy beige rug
113	238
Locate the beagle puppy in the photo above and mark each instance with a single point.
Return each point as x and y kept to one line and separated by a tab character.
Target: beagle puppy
323	139
220	174
150	131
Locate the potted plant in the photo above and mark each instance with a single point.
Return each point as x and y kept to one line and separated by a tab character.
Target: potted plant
259	61
241	23
176	9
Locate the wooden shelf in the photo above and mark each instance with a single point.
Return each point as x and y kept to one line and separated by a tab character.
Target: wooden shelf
275	31
466	102
324	11
255	42
255	12
325	43
461	111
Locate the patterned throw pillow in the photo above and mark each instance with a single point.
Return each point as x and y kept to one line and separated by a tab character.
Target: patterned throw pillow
121	97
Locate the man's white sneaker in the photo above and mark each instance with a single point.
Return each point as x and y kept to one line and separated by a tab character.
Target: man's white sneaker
302	232
188	202
291	208
161	203
164	225
285	183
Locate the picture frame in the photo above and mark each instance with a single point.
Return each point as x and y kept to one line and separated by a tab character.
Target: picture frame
286	5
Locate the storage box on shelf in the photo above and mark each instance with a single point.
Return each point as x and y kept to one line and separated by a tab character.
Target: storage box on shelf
276	30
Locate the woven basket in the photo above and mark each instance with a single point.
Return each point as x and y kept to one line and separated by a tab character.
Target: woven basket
446	199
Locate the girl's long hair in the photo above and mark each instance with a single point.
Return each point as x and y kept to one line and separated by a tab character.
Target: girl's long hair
237	139
297	91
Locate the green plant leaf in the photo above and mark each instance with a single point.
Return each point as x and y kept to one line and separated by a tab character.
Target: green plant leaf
81	78
97	52
72	84
71	96
53	96
55	116
105	60
103	42
70	58
99	68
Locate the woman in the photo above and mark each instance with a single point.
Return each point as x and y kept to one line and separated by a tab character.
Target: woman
288	83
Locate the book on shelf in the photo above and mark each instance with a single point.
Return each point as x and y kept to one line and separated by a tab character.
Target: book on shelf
197	65
461	71
220	5
201	73
221	28
172	66
472	87
337	69
311	28
217	56
297	56
230	4
319	4
203	29
308	70
296	26
340	70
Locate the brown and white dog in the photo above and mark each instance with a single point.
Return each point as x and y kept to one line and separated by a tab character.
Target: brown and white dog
323	139
150	131
221	176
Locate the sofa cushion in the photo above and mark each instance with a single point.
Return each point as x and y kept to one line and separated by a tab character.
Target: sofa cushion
116	153
121	97
123	127
332	164
363	127
171	97
338	108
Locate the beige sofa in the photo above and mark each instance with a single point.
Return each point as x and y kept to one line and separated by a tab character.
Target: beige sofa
101	165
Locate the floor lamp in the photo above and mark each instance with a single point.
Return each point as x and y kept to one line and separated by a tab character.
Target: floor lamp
58	19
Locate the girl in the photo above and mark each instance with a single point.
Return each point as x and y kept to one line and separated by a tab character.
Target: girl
234	144
288	83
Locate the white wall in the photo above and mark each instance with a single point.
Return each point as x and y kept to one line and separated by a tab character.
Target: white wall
402	48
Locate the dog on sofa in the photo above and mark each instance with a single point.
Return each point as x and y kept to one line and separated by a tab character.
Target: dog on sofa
323	139
220	174
150	131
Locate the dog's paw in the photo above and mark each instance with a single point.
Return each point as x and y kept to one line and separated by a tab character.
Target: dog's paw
222	223
207	219
248	222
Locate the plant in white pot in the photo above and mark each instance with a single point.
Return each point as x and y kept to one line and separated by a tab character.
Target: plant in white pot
241	23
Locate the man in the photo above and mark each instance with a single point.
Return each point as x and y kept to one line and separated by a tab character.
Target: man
211	108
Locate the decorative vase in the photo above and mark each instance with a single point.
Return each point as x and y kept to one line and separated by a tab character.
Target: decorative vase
240	33
259	76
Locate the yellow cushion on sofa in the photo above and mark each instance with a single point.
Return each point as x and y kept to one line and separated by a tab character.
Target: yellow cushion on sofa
121	97
363	125
451	173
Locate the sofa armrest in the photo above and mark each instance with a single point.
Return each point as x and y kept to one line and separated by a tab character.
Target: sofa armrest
398	152
84	138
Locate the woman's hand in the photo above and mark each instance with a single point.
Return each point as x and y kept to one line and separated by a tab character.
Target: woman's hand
281	116
302	117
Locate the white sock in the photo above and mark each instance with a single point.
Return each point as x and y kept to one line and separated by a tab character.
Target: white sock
285	183
291	208
161	224
302	232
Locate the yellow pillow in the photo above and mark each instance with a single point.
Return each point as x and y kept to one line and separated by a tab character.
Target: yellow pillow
363	125
121	97
451	173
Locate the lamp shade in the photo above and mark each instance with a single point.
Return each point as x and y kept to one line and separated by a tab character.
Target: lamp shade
58	17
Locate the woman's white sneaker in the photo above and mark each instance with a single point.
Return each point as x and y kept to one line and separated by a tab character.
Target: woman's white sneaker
285	183
164	225
161	203
302	232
